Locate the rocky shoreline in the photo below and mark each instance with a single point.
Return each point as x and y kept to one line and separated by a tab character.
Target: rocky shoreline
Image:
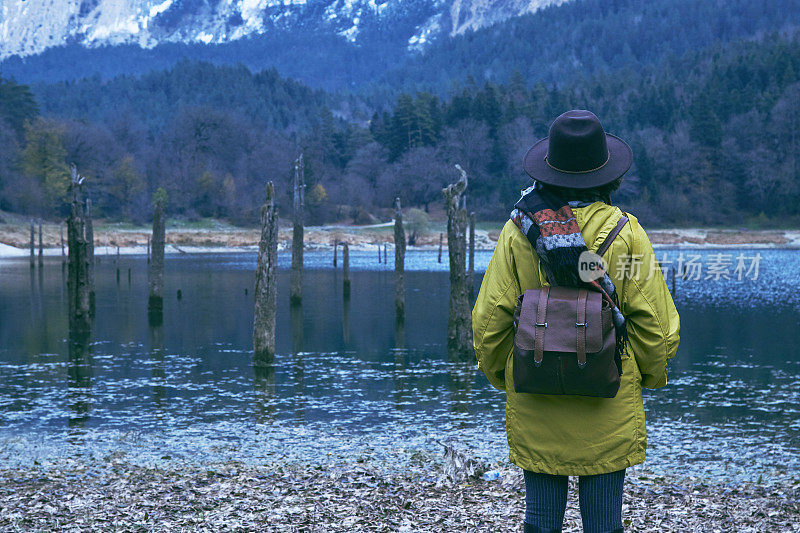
220	237
232	496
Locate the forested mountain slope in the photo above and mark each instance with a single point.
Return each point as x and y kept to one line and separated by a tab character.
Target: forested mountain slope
715	133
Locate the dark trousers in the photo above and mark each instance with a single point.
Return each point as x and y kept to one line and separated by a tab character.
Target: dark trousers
600	500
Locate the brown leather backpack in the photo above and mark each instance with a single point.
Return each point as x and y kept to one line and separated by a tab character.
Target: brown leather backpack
564	341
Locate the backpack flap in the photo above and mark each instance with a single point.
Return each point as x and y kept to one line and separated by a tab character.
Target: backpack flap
560	319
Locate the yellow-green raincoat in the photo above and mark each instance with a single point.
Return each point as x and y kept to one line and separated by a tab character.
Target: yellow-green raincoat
575	435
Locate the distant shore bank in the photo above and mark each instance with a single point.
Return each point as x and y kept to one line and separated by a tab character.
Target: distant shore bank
110	239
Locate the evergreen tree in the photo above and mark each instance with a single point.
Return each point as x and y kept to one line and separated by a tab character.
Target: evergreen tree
17	105
486	107
43	160
705	127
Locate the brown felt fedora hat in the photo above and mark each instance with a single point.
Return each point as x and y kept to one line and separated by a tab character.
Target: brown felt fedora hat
578	153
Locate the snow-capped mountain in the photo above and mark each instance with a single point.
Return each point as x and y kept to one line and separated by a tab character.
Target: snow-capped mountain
30	26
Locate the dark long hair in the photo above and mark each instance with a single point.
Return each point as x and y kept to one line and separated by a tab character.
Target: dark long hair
595	194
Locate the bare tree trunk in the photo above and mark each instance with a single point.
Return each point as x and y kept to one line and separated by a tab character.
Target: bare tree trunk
78	288
471	273
399	261
346	319
296	327
41	246
379	253
80	374
155	302
296	287
90	251
459	326
148	250
157	365
335	251
440	248
61	231
794	138
33	245
399	333
346	270
266	281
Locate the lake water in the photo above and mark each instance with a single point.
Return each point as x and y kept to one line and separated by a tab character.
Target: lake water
348	383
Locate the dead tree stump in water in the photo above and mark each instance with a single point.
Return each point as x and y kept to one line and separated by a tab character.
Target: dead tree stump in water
459	326
78	287
440	248
33	245
41	246
90	251
296	327
61	232
471	272
346	270
296	283
399	262
346	319
335	250
155	301
266	282
399	334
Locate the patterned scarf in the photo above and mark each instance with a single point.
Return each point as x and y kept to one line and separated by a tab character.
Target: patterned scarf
550	226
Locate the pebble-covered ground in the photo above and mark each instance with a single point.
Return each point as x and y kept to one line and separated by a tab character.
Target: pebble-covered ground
120	496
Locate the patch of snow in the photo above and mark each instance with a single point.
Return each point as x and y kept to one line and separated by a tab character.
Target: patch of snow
160	8
793	237
251	5
122	27
5	22
378	7
350	33
250	10
11	251
204	37
425	32
31	26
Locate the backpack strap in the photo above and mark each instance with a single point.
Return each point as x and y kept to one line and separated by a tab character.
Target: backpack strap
580	327
613	235
540	325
